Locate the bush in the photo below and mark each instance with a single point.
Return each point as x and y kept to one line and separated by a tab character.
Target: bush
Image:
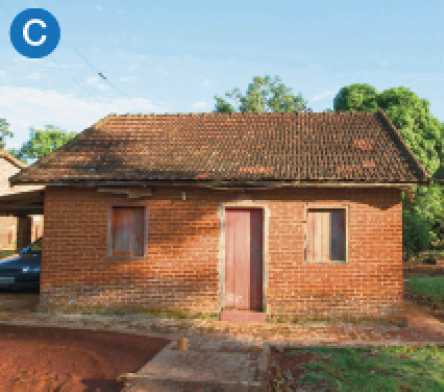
415	235
430	259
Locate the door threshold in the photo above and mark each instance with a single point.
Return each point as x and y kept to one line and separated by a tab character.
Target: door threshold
243	315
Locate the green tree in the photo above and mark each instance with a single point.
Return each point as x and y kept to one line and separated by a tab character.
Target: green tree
223	106
415	235
42	142
356	97
4	132
408	113
423	133
263	95
411	116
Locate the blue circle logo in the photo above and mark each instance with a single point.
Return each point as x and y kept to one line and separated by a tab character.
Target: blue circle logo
35	33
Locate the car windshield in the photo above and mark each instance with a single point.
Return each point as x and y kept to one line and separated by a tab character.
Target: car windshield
36	247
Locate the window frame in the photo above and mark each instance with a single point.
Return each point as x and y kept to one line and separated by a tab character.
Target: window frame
109	243
327	206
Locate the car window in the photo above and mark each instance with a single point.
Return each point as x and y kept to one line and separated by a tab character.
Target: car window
36	247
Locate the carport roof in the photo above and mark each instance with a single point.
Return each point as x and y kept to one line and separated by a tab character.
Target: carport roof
22	203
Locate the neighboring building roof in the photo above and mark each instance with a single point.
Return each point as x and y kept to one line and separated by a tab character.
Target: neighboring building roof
355	147
12	159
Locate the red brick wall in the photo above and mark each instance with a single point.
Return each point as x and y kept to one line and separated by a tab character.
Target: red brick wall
184	253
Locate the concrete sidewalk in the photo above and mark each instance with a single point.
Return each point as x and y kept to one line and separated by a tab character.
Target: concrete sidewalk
202	369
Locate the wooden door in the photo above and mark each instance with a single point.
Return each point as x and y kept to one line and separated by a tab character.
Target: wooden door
243	259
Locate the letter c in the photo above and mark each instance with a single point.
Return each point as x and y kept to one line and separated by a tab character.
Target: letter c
26	32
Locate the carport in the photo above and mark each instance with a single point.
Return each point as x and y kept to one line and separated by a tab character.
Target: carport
22	205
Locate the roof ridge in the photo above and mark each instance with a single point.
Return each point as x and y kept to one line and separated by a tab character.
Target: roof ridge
401	140
132	146
102	121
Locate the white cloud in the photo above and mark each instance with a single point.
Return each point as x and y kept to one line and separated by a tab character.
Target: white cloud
200	105
95	81
133	67
128	79
99	8
3	73
163	72
53	64
208	83
322	96
92	80
24	107
34	76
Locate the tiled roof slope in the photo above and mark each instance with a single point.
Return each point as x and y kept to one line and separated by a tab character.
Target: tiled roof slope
363	147
12	159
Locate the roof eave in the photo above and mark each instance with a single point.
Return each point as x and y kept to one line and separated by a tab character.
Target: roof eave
228	184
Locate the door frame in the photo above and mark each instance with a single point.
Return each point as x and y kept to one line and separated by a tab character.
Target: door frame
244	204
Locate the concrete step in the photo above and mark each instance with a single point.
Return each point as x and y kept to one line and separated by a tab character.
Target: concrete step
175	370
243	315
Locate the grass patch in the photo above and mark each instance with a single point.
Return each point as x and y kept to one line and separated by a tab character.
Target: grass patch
432	287
7	252
400	368
129	310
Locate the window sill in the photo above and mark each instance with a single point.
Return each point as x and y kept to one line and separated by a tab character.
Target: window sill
341	262
127	257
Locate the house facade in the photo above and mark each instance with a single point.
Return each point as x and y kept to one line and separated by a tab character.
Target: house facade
11	235
249	216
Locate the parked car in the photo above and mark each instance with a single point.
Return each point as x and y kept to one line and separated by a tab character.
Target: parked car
22	272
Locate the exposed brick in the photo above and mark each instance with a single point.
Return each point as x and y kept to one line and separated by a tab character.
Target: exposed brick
181	269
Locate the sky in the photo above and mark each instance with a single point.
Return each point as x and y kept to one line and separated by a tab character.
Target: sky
174	56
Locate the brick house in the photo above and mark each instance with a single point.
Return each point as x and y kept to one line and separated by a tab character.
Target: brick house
292	216
10	232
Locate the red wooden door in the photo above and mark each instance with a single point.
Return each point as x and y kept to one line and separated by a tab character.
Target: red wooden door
243	259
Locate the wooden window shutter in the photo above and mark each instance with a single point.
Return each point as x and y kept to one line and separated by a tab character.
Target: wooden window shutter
326	235
127	231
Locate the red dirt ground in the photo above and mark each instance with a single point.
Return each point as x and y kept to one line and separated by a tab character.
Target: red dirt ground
47	359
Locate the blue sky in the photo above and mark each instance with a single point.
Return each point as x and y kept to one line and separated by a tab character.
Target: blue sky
174	56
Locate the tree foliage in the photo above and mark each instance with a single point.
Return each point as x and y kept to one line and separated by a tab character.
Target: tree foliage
415	235
409	114
356	97
263	95
42	142
4	132
424	134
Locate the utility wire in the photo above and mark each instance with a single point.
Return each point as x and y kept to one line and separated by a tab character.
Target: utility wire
100	74
59	68
96	71
74	80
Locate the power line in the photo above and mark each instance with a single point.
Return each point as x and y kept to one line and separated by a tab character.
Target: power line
59	66
75	81
96	71
100	74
